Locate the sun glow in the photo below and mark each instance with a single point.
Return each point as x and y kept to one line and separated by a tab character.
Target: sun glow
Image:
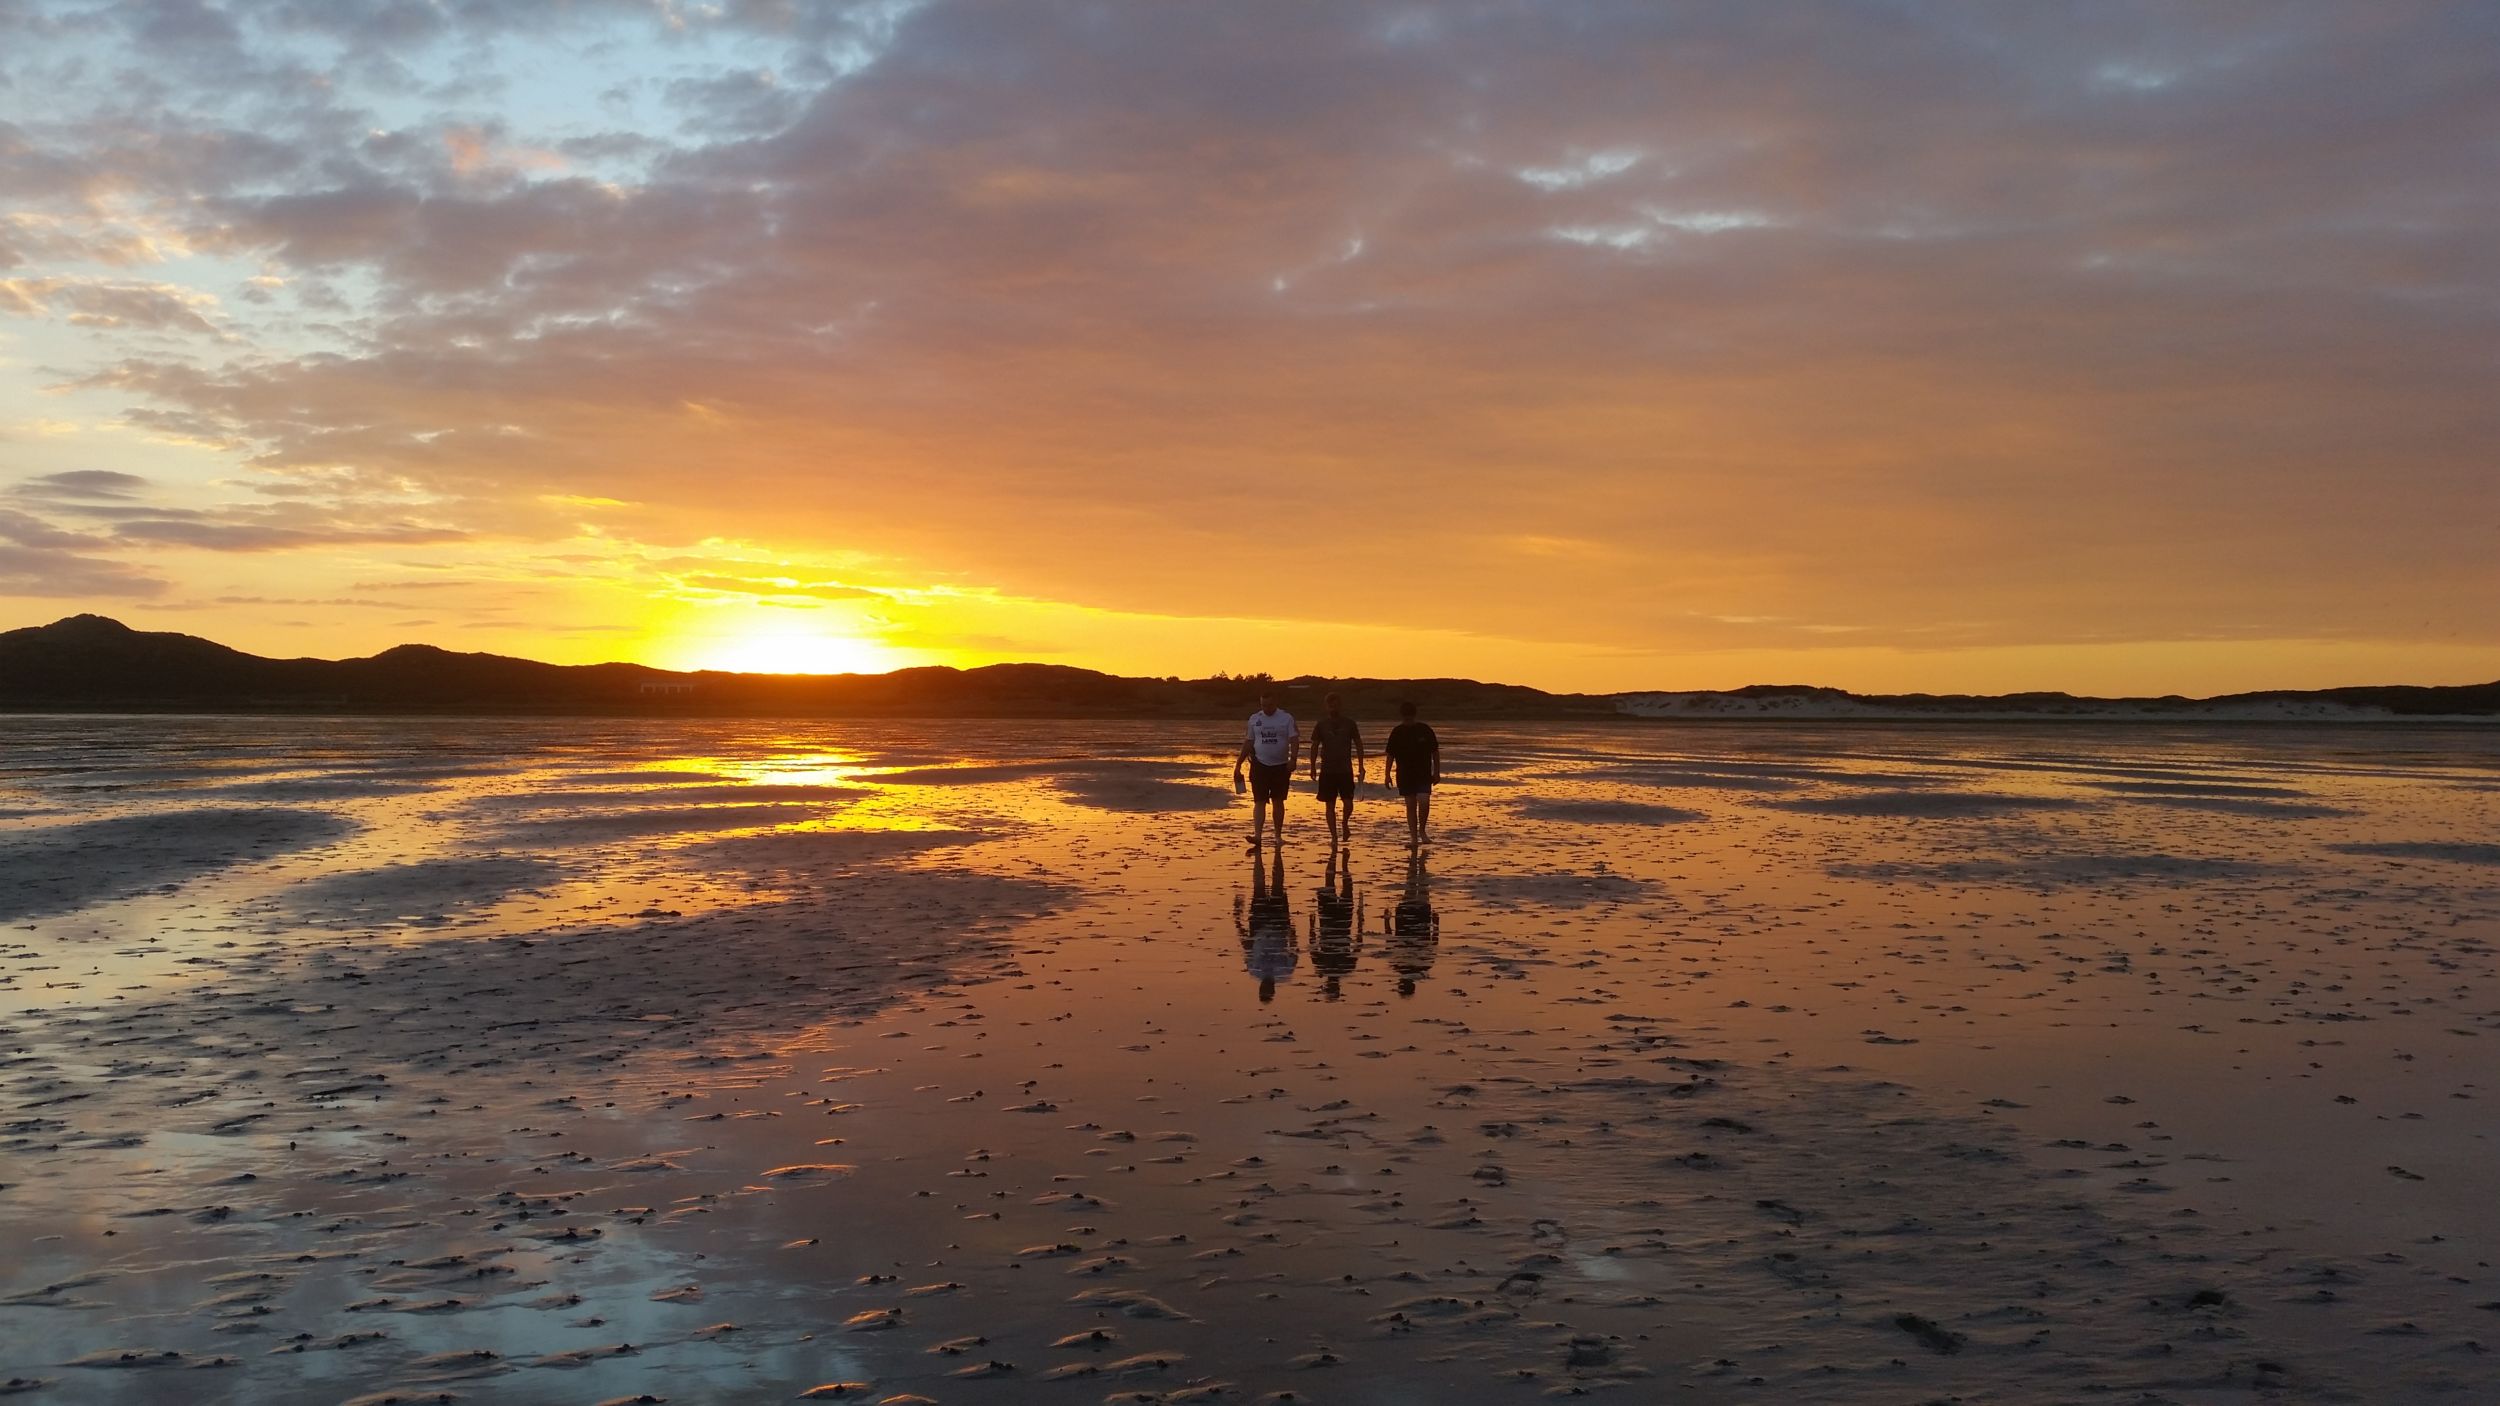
798	652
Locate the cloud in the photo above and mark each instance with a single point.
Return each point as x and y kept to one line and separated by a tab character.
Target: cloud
312	511
39	559
107	484
26	530
51	575
815	590
270	534
98	302
304	600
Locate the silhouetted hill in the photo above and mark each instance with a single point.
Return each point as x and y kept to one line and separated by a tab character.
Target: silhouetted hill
88	663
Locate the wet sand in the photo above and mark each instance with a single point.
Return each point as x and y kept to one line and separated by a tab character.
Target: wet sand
551	1061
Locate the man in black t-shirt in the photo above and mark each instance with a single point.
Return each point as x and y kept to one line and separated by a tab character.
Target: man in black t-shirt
1337	764
1414	764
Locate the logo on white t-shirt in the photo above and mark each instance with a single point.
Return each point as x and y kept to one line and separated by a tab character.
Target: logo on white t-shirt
1271	737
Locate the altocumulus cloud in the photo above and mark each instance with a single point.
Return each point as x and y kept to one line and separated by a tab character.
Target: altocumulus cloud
1847	314
39	559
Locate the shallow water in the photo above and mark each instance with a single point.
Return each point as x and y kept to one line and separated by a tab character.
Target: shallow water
564	1060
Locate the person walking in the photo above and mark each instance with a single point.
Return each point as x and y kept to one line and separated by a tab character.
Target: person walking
1414	766
1338	762
1271	746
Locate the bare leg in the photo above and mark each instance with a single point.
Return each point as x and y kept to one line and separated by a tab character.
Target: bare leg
1423	817
1278	806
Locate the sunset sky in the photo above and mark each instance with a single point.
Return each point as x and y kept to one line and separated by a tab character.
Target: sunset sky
2109	347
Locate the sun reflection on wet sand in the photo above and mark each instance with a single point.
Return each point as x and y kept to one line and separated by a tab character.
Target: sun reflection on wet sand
977	1061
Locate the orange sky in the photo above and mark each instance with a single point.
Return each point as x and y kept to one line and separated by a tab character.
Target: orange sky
1954	348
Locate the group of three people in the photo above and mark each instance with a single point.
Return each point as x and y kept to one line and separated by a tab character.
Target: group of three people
1272	749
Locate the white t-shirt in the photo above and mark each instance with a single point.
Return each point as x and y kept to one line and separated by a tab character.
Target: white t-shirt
1271	737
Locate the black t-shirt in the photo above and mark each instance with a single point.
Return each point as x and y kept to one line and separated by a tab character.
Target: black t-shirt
1412	749
1335	738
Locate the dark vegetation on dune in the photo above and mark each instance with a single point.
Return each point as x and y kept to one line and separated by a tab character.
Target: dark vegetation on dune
92	663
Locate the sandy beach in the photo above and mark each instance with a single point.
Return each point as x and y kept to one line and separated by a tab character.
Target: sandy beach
366	1061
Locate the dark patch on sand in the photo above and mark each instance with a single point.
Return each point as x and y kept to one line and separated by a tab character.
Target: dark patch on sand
1552	889
1144	786
2061	870
62	868
2233	805
1933	805
801	852
2192	788
1681	778
2451	853
425	889
344	787
1606	812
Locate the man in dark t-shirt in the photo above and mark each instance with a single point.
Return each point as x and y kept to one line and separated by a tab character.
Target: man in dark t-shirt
1414	764
1337	764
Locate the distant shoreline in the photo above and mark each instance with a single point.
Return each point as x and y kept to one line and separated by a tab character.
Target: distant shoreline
90	665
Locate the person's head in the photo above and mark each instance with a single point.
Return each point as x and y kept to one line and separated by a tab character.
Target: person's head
1407	711
1267	700
1336	705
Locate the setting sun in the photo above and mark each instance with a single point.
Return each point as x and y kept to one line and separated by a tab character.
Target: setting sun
797	651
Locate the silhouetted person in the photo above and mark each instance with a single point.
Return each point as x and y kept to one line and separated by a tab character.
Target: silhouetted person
1414	929
1271	746
1337	765
1414	767
1336	926
1267	936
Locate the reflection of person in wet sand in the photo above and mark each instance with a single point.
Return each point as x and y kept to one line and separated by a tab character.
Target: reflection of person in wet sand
1337	765
1414	766
1267	935
1271	746
1414	929
1336	926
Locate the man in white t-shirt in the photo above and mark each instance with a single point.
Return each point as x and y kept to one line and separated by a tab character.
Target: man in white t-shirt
1271	746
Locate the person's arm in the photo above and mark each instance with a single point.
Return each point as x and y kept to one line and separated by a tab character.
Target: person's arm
1239	757
1293	750
1312	771
1436	759
1362	759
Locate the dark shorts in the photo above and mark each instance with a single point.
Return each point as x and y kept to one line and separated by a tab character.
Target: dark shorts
1270	783
1415	786
1336	783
